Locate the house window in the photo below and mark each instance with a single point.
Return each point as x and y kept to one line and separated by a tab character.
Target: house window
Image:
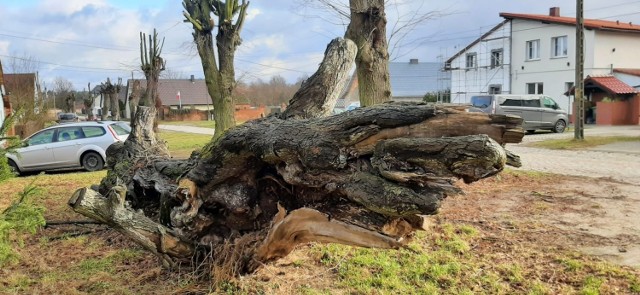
533	49
496	58
495	89
471	60
568	86
559	46
534	88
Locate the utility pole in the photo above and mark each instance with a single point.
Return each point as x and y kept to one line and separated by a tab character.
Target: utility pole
579	88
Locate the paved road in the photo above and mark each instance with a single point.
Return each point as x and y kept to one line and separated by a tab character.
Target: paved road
188	129
619	161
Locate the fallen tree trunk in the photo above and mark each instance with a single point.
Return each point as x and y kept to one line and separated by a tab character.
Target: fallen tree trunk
364	178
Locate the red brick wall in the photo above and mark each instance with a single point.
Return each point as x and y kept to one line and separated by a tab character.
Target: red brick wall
245	114
612	113
634	113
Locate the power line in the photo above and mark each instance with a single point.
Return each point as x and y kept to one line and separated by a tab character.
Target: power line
61	65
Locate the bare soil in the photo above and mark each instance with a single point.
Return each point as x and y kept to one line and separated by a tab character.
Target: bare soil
597	216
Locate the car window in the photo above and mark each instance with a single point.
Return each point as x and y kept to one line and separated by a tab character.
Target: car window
93	131
510	102
532	103
549	103
69	133
43	137
481	101
121	128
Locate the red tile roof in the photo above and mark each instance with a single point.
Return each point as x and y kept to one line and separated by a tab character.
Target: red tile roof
633	72
588	23
610	84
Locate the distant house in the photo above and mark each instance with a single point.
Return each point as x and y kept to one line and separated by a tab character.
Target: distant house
5	104
191	94
538	56
410	81
23	89
483	66
611	101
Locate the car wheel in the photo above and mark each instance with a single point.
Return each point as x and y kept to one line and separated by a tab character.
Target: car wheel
13	167
92	161
531	131
560	126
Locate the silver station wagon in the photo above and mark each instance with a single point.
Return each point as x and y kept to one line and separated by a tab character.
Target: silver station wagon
74	145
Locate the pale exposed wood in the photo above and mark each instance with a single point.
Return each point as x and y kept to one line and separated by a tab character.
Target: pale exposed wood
110	210
318	94
307	225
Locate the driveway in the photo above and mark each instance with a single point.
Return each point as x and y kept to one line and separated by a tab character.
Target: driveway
619	161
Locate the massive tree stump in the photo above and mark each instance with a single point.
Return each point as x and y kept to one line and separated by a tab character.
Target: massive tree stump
365	178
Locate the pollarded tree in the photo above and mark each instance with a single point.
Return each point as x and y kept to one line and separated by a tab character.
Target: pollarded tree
220	75
367	29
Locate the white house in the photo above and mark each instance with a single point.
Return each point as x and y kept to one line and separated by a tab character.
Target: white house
483	66
542	54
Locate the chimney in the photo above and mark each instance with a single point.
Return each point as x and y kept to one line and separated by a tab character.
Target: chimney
413	61
554	11
192	79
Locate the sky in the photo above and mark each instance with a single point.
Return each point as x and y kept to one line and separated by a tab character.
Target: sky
88	41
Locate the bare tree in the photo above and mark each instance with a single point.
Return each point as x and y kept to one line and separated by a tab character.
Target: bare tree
367	24
171	74
62	89
88	102
152	64
367	29
220	75
22	64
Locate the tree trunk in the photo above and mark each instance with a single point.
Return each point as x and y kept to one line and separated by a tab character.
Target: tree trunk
222	111
106	105
134	99
368	30
360	178
326	84
115	106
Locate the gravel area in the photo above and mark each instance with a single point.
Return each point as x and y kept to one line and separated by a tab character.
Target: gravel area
619	161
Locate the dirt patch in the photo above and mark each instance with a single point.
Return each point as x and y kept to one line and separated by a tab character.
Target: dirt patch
598	216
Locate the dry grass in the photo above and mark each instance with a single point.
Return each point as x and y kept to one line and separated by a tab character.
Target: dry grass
591	141
489	241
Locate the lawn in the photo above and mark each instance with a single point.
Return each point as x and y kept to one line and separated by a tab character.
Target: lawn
588	142
182	144
464	250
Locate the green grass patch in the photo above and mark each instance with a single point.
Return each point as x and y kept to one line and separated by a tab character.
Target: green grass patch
181	144
591	141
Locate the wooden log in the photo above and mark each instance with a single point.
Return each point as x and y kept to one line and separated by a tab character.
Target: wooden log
110	210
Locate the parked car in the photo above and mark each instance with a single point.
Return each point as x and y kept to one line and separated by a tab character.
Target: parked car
67	117
537	111
73	145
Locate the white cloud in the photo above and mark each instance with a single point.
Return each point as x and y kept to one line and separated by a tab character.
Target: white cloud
68	7
4	47
264	45
252	13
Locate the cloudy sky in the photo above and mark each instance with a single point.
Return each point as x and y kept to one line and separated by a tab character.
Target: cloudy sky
90	40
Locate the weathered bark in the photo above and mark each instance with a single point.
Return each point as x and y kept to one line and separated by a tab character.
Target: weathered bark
115	106
220	81
141	149
325	85
363	177
110	210
367	29
134	99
